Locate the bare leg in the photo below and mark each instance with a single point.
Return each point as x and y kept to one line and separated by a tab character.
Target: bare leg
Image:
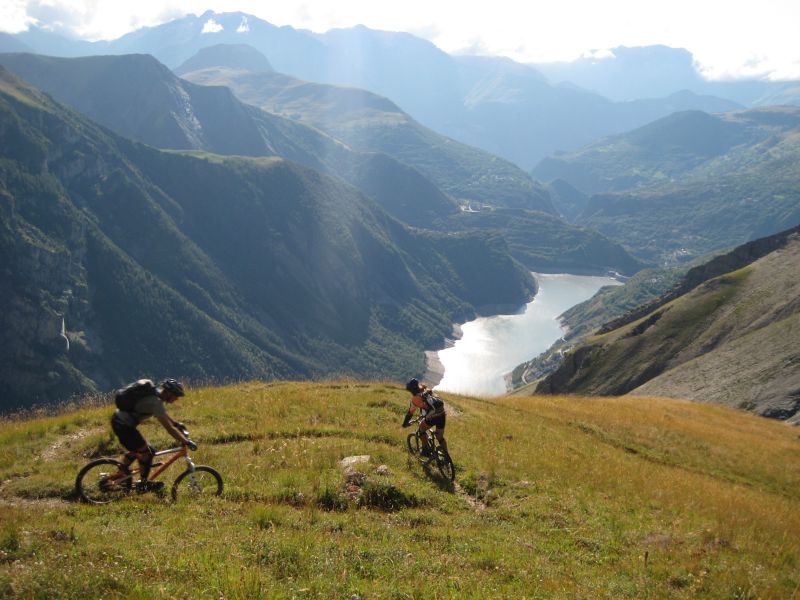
145	456
439	433
423	427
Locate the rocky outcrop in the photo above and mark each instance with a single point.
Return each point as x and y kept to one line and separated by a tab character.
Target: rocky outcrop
561	380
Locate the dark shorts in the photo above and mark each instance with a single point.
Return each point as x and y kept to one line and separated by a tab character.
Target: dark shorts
437	420
128	436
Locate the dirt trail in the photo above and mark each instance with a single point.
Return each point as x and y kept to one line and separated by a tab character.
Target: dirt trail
52	451
476	504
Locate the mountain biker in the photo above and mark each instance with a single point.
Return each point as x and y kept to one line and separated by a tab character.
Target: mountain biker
432	410
124	424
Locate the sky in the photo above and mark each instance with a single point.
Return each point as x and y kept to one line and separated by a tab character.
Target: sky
728	38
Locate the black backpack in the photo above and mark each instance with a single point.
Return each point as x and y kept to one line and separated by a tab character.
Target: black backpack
127	397
436	403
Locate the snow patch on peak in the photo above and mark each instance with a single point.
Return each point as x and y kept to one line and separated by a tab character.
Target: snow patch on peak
211	26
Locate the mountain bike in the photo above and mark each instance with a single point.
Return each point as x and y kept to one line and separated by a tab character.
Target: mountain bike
106	479
442	459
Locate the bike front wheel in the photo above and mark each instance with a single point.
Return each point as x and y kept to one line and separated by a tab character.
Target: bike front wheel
102	481
202	482
415	446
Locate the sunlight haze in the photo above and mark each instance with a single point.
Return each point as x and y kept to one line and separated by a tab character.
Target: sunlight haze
727	39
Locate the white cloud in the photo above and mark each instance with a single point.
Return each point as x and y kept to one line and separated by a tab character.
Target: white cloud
599	54
13	16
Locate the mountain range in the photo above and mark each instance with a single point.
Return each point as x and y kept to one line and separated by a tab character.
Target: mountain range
631	73
503	107
311	227
415	174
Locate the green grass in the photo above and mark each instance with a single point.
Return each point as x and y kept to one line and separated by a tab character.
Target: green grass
556	498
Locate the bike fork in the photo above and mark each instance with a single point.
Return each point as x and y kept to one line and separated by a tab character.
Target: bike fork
193	483
190	464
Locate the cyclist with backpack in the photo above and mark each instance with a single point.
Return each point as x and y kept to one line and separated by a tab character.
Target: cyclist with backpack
137	402
432	409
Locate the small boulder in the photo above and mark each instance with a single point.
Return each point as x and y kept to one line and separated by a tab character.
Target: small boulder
349	461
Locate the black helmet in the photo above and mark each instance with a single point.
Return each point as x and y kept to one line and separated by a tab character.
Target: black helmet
413	386
173	387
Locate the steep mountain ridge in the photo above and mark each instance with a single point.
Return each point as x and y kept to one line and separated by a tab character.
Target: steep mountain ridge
164	111
369	123
234	56
237	268
139	98
669	150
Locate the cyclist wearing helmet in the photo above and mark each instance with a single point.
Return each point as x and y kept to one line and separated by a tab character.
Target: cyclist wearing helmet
125	423
432	409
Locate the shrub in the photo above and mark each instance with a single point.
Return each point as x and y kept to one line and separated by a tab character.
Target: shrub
385	496
331	499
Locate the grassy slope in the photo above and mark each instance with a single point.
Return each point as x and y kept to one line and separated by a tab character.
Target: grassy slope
557	497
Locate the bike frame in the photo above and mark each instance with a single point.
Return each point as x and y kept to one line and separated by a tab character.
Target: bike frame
428	432
183	451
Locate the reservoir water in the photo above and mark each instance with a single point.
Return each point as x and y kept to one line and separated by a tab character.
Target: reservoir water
490	347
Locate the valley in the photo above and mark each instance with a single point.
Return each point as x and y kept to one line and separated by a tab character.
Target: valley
307	216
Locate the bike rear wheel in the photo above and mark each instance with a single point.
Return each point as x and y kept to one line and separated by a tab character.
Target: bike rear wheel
445	465
103	481
203	482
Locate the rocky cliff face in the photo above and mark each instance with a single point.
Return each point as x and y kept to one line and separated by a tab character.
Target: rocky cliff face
45	308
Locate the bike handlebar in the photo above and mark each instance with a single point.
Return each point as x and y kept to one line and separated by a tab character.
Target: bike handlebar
192	445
